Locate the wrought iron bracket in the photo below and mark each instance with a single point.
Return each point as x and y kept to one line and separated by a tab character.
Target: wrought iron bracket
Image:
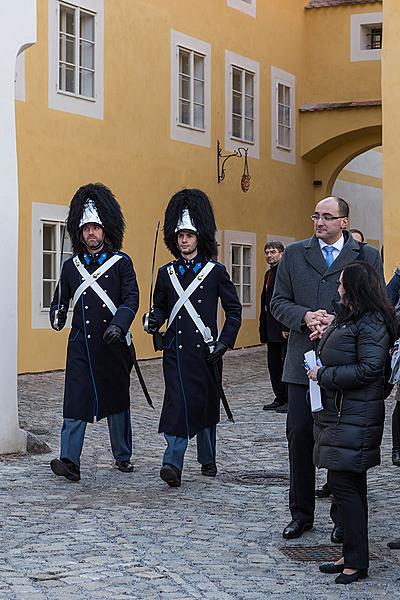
222	158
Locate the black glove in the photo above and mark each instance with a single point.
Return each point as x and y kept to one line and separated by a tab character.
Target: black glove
113	334
59	318
152	325
217	353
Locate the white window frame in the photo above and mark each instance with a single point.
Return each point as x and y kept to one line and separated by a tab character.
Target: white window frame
180	131
232	143
357	22
243	238
73	102
279	77
43	213
246	6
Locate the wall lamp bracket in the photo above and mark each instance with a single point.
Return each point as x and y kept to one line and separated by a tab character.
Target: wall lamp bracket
221	160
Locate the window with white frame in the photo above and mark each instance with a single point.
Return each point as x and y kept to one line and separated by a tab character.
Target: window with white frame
241	271
190	90
365	36
246	6
283	116
240	260
76	51
241	103
76	56
49	239
55	239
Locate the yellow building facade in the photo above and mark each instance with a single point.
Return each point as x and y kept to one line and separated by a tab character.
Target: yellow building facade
136	94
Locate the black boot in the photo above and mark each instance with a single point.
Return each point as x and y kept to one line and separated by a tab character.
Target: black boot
396	456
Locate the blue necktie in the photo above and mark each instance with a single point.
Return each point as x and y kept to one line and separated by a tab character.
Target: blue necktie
328	255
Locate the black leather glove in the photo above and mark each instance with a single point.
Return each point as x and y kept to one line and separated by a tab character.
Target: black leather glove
152	325
113	334
59	318
217	353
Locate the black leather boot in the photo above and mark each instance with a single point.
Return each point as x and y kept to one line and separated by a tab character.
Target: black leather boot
396	456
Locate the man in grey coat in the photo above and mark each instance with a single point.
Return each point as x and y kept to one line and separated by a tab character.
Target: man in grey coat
306	286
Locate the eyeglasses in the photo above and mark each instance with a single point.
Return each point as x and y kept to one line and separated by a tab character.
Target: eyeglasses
317	217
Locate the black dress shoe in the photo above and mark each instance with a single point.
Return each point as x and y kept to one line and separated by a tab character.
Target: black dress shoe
209	470
331	568
171	475
395	544
65	468
324	492
124	465
337	534
296	528
282	408
396	457
273	406
360	574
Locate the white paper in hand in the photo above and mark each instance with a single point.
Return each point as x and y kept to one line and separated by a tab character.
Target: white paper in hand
315	390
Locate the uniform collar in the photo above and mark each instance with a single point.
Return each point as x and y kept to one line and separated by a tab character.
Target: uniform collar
194	264
95	259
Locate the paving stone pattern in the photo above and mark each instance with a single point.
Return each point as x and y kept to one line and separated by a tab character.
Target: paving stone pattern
117	536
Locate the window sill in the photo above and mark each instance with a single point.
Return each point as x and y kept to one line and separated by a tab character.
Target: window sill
190	128
242	140
77	96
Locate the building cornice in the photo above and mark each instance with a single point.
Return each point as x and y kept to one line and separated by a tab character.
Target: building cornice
339	105
328	3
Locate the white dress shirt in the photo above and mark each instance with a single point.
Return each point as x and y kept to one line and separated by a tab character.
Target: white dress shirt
337	247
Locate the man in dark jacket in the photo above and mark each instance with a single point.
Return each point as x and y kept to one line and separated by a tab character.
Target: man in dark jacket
187	293
101	282
273	333
306	284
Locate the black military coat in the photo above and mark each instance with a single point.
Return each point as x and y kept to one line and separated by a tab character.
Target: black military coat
270	329
97	375
191	400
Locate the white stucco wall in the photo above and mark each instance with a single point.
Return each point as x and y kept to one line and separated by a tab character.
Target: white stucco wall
17	32
363	194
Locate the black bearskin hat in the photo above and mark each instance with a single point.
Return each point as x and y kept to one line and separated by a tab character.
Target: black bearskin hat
108	210
202	216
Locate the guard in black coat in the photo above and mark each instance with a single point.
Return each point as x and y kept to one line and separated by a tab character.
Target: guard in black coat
187	293
273	333
101	282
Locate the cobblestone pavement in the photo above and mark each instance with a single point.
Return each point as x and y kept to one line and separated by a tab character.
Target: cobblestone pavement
128	536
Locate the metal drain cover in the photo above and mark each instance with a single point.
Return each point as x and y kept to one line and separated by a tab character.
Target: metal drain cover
320	554
258	478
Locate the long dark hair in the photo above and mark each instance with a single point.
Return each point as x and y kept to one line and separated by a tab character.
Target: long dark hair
365	292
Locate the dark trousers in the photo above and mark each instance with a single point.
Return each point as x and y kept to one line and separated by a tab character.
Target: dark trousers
119	428
206	448
276	352
350	493
396	426
299	433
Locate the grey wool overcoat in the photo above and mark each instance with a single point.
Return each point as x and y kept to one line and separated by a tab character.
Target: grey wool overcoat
303	283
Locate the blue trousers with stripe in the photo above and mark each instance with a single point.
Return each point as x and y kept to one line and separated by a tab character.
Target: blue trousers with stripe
119	428
176	448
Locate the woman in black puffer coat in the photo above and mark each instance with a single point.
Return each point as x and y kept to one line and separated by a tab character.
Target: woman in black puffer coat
348	431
